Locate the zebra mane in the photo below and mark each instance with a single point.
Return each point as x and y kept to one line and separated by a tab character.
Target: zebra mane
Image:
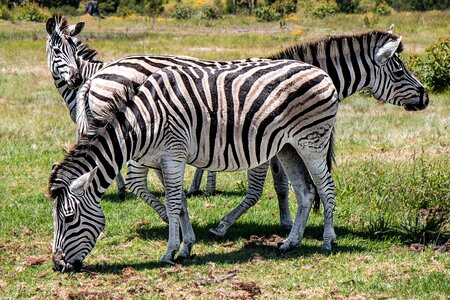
335	43
86	53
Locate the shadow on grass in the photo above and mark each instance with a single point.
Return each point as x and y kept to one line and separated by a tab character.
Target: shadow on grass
242	255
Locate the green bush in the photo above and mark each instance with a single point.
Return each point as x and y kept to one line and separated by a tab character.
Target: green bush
348	6
182	12
419	5
434	69
5	13
211	13
285	7
383	9
30	12
108	6
267	14
324	10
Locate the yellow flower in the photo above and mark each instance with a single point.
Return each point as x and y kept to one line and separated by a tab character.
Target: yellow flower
297	32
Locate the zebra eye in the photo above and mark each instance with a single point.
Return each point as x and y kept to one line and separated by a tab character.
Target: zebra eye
69	218
57	51
398	73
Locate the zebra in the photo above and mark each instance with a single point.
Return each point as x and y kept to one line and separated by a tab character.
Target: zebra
69	71
366	61
314	53
72	64
209	117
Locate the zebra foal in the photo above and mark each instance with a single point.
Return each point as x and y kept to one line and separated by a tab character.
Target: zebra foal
228	118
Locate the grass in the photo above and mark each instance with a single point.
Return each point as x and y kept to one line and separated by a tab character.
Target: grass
391	165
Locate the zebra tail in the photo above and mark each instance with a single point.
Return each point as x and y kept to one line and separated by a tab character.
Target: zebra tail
83	109
330	161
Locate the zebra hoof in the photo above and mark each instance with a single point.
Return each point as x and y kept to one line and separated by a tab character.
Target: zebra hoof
216	235
286	247
328	248
167	263
193	193
122	192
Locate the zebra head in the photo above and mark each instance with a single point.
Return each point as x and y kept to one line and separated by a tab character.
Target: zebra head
61	50
78	218
392	82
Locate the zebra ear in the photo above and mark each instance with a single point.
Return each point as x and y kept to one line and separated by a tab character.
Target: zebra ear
387	50
50	25
75	29
81	184
391	29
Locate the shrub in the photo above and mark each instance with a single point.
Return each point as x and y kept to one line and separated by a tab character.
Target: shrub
434	69
211	13
324	10
419	5
383	9
5	13
285	7
267	14
347	6
30	12
182	12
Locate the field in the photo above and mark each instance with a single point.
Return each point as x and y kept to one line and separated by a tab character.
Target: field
392	176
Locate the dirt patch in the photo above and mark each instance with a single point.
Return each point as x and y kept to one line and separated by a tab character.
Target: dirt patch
138	289
228	244
417	247
249	287
164	273
91	295
443	248
35	260
255	241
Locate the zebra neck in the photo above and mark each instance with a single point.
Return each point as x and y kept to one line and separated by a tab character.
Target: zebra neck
347	60
88	69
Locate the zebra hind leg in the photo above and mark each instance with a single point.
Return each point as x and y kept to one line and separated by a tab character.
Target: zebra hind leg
194	189
318	168
137	184
121	187
256	178
187	232
304	192
173	171
211	183
281	185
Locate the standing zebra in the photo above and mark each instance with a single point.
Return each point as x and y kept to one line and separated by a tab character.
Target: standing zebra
69	71
228	118
367	61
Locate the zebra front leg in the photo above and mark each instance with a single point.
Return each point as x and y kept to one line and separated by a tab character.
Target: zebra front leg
195	185
256	178
281	185
121	187
173	172
304	193
137	184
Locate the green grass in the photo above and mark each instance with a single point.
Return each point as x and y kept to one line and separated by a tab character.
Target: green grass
390	165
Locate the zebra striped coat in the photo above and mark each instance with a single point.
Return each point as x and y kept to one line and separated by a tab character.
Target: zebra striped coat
228	118
367	61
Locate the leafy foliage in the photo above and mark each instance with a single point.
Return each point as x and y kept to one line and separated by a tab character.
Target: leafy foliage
434	69
324	10
182	12
383	9
27	12
267	14
419	5
348	6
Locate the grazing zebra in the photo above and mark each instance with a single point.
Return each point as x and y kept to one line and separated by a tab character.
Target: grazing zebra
367	61
228	118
